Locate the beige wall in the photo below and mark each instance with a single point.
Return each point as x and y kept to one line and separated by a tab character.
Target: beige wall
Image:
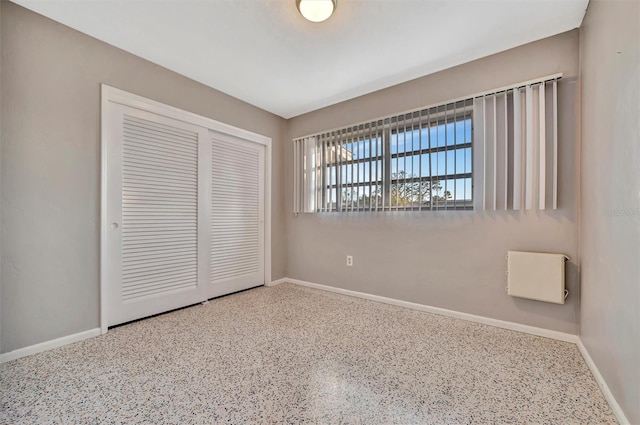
610	208
453	260
51	167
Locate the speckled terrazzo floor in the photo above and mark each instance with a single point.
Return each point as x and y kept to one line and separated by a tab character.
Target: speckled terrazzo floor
290	354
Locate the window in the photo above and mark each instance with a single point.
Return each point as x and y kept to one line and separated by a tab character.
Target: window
416	161
496	150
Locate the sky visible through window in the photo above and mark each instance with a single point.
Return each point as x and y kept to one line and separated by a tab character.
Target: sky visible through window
408	160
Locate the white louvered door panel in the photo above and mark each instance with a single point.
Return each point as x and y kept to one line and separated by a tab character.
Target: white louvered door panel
155	207
237	214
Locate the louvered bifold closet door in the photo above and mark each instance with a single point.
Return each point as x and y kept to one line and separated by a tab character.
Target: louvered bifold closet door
237	214
154	213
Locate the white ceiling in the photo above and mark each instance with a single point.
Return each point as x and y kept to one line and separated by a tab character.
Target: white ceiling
265	53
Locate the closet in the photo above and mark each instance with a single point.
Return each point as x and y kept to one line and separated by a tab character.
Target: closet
183	208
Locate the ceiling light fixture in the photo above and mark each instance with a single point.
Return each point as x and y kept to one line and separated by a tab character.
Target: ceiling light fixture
316	10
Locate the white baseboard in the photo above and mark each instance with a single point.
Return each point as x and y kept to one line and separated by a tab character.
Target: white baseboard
277	282
561	336
608	395
48	345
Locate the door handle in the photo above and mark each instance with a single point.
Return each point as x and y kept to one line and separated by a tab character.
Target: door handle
114	225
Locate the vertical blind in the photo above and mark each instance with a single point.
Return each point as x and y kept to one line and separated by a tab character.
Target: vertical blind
495	150
517	139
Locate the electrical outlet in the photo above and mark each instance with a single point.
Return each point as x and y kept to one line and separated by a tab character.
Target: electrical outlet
349	260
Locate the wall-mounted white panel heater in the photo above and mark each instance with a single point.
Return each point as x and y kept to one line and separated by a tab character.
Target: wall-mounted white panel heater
537	276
